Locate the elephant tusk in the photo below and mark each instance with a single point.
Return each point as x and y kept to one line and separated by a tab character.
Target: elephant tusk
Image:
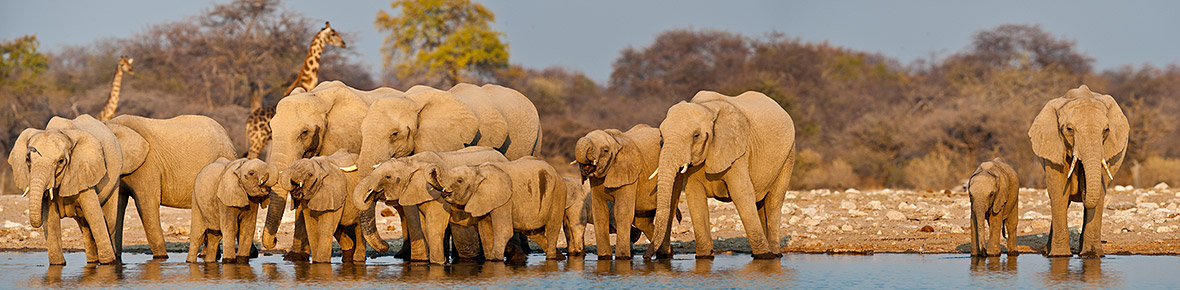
51	193
573	162
261	182
1107	167
300	184
653	173
595	163
26	192
1071	165
349	169
684	168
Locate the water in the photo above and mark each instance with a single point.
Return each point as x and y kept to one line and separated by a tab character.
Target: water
883	271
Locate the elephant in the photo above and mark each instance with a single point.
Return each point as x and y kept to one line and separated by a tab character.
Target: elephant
617	165
739	149
428	119
577	213
404	182
995	199
226	198
525	195
1080	126
82	161
322	185
307	124
161	159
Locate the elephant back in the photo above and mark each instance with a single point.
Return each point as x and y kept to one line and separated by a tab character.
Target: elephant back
179	148
770	130
492	103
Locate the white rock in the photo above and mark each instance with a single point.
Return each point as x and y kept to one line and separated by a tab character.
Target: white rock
1164	229
1148	205
811	211
878	232
1032	215
1161	186
956	230
788	210
12	225
847	205
34	235
846	228
875	205
833	229
793	220
894	215
906	206
791	195
1027	229
810	222
1120	188
856	213
851	190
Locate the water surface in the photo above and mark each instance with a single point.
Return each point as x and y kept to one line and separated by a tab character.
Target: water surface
910	271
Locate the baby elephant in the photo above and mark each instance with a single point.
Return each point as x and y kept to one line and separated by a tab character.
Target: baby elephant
323	184
994	192
525	195
226	198
577	215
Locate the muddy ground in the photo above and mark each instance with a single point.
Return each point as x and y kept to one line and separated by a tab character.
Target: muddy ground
1137	221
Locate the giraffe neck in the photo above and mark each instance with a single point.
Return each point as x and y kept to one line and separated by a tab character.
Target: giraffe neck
108	111
309	74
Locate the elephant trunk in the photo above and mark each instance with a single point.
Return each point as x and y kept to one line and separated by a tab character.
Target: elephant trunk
979	208
372	153
368	222
274	216
362	195
1091	153
669	167
37	210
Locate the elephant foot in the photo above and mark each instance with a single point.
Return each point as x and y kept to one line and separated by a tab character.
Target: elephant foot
663	256
229	260
766	256
296	257
242	260
1059	253
1094	253
704	257
555	257
515	254
253	251
403	254
605	257
577	255
160	257
623	257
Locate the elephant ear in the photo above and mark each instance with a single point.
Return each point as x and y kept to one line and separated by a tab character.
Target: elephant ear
112	152
1116	142
1045	133
492	189
133	146
87	165
18	158
344	160
627	163
229	190
332	190
421	182
444	123
729	140
1000	196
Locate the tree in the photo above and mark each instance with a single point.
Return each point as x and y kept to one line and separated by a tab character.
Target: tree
20	63
440	38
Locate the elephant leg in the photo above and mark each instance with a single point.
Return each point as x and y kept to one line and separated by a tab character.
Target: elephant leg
229	229
624	218
148	204
434	222
1011	224
92	211
502	230
346	246
406	251
646	226
120	212
246	223
742	192
412	230
211	243
1091	241
487	234
318	234
52	229
539	237
698	209
995	225
300	243
1055	184
87	241
601	214
772	206
196	236
358	245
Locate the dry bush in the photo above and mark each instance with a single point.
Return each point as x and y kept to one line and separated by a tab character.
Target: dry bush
1158	169
937	170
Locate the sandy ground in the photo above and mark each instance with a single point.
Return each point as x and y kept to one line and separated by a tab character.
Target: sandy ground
1137	221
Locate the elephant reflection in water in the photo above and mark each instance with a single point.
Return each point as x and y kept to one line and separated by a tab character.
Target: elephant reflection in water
1062	274
993	266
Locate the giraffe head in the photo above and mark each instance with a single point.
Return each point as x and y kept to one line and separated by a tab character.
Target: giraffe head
125	64
329	36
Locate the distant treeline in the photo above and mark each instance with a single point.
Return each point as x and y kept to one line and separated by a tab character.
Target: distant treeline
863	119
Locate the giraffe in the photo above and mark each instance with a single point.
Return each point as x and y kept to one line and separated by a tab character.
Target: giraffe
258	123
108	111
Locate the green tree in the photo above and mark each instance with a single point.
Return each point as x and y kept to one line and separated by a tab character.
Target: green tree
20	63
441	38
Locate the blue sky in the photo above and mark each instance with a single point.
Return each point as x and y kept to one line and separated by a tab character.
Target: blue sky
588	35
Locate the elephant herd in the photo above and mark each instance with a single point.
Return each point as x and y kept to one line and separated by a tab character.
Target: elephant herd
458	165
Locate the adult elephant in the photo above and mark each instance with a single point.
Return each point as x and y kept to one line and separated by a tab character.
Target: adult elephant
1080	126
309	124
81	160
739	149
432	120
161	159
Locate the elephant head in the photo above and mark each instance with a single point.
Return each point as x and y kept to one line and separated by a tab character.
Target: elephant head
397	180
477	189
1085	126
427	119
247	181
610	155
319	182
69	157
710	133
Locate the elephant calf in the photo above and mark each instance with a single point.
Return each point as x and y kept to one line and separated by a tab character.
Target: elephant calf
322	185
577	213
995	194
226	198
525	195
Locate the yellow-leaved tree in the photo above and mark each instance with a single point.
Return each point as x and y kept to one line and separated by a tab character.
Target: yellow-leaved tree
442	41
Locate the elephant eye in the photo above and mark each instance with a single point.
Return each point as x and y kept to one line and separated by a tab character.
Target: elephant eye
304	133
388	177
696	135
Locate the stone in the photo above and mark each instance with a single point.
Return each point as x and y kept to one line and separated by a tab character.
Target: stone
810	222
1164	229
1161	186
846	228
1027	229
1121	205
894	215
906	206
875	205
1032	215
832	229
847	205
811	211
1148	205
793	220
386	212
926	229
957	230
851	190
856	213
1120	188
